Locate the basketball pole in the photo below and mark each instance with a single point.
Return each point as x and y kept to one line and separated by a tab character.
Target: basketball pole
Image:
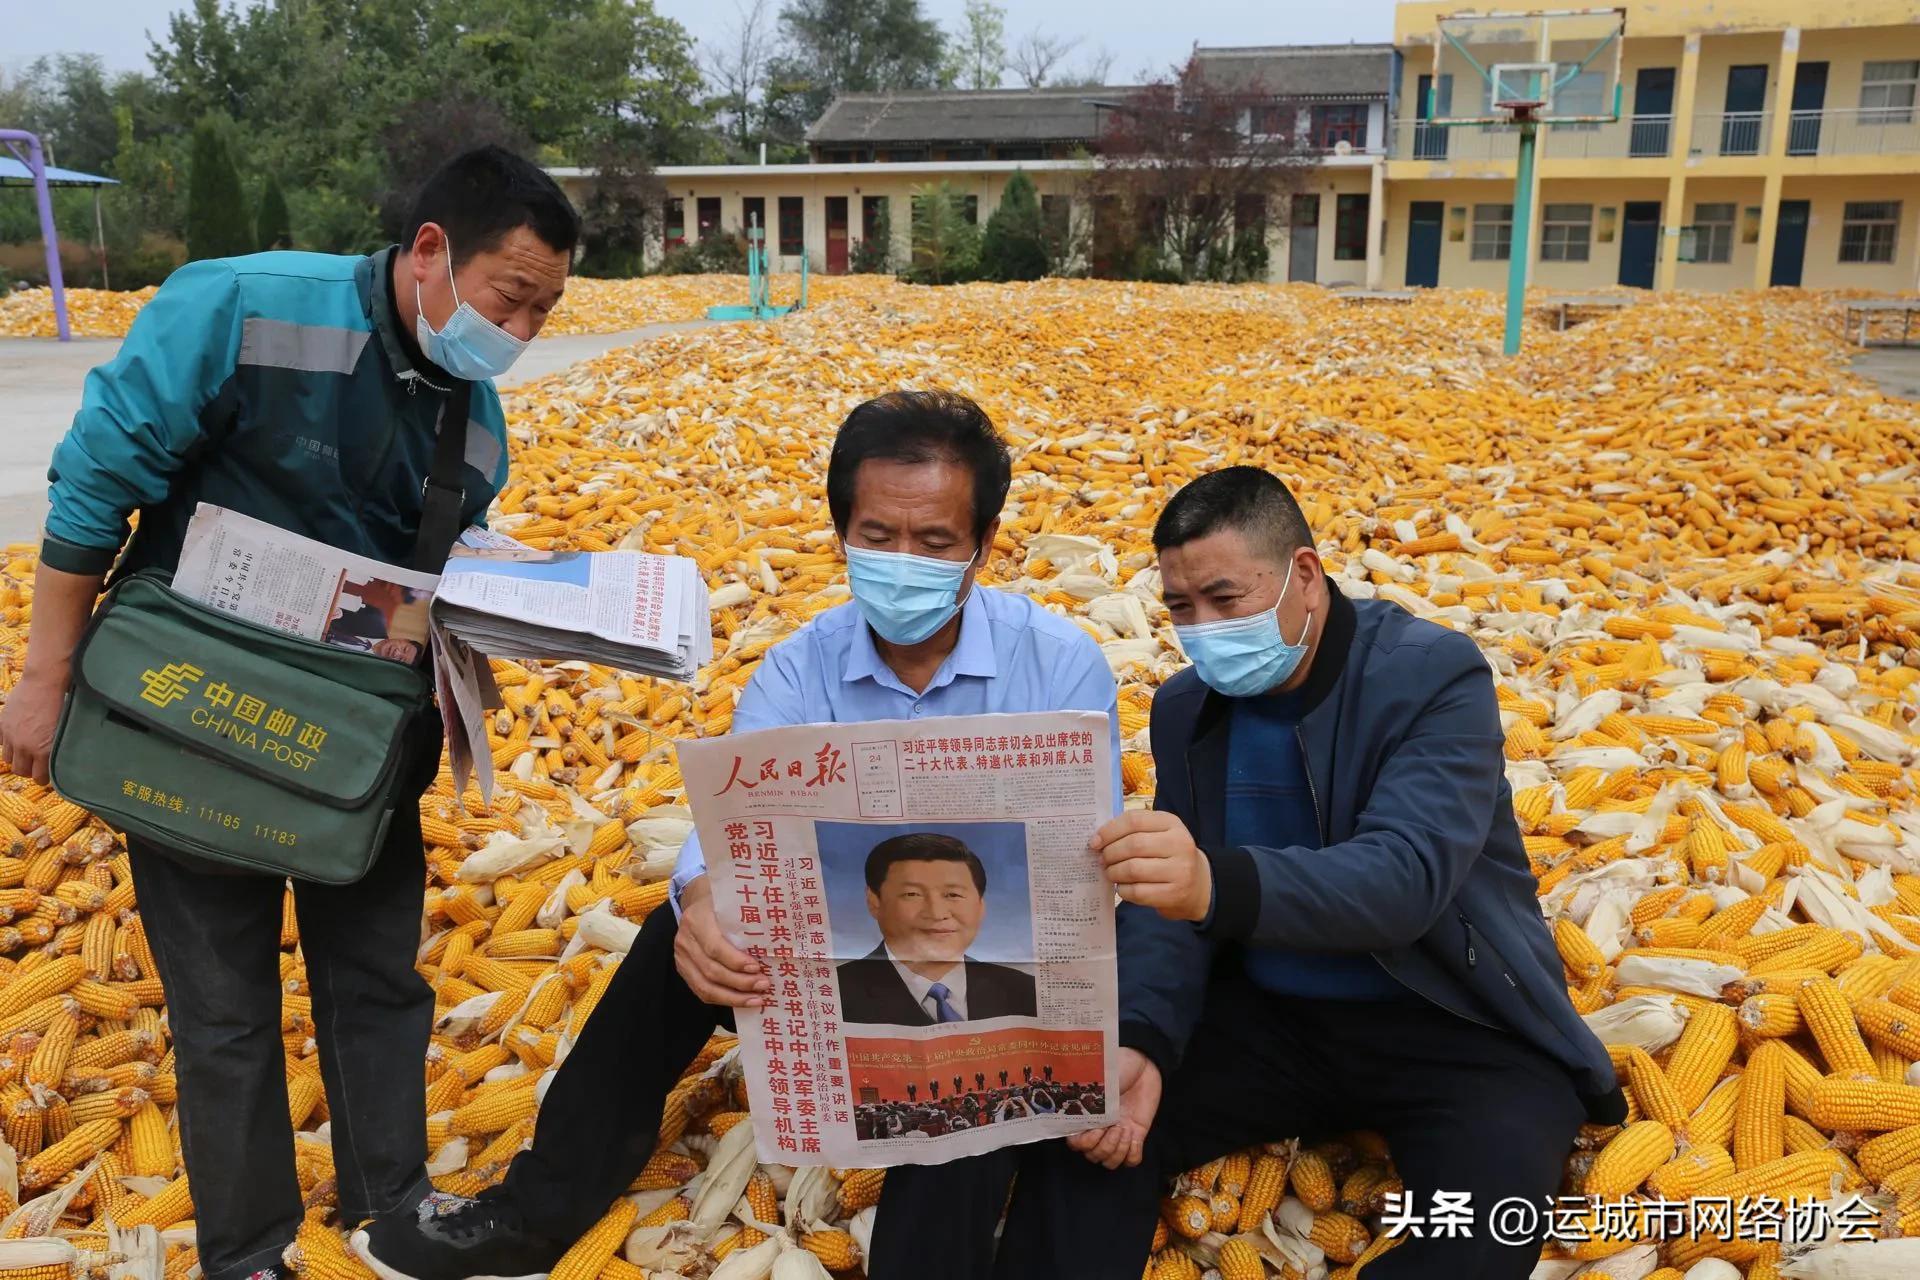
1517	249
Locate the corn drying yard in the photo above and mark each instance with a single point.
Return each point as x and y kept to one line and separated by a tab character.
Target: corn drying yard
1683	534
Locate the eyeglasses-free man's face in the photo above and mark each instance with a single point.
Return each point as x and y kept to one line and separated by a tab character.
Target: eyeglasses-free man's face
928	911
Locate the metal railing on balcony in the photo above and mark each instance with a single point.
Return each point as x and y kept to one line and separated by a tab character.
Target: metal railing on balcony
1730	133
1854	132
1418	140
1638	137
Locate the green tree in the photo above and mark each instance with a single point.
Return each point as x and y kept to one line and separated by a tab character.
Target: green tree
1014	246
273	227
977	52
946	246
849	46
216	210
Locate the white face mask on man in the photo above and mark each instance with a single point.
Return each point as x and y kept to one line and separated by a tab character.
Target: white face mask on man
468	345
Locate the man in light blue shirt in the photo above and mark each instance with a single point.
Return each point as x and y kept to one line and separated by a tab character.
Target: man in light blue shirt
915	484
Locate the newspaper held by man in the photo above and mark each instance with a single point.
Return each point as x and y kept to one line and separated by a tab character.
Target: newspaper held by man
235	564
939	938
495	598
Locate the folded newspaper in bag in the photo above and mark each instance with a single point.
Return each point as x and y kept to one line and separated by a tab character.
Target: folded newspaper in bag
495	598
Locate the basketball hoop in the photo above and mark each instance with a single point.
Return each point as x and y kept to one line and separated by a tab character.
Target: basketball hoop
1526	71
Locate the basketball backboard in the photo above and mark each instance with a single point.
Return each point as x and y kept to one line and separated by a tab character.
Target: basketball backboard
1551	66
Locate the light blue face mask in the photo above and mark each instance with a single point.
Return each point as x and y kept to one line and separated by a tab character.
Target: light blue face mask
905	598
1242	657
468	345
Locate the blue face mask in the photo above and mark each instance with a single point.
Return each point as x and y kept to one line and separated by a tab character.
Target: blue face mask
468	345
1242	657
905	598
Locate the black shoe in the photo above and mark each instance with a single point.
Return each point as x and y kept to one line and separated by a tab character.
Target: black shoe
450	1238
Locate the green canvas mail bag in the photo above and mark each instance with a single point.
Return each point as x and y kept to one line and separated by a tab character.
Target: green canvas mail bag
243	745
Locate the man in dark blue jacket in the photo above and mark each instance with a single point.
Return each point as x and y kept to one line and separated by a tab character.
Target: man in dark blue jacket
1329	921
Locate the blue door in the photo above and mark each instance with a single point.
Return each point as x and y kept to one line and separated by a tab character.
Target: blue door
1639	242
1746	103
1790	243
1809	100
1423	243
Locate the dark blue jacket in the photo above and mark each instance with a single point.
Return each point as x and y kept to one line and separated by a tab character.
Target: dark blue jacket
1421	865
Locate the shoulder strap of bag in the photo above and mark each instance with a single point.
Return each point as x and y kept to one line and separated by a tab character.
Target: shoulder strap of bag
443	497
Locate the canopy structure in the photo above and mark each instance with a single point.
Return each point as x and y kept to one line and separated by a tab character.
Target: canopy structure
15	173
26	166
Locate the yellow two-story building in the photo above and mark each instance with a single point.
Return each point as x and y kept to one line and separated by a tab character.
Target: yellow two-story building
1761	142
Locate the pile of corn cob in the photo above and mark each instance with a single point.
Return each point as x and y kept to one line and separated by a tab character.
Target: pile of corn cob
91	313
1683	535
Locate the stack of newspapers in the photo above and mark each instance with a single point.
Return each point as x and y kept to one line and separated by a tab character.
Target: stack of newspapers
495	598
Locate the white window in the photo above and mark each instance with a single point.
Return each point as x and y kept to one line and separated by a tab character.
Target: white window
1565	232
1887	91
1713	230
1869	230
1492	232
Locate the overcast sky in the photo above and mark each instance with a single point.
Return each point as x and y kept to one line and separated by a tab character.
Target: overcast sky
1142	34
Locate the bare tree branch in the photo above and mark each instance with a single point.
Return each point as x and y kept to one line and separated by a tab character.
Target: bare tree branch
736	66
1037	54
1185	182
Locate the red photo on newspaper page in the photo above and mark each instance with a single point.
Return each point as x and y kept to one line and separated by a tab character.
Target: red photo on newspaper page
939	937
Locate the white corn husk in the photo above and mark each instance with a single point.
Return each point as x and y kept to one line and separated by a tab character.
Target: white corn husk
1880	1260
754	1263
798	1264
1630	1264
450	1158
670	1248
504	853
861	1229
663	827
599	927
140	1253
1712	1269
1689	977
1650	1022
813	1193
553	912
1554	1269
725	1180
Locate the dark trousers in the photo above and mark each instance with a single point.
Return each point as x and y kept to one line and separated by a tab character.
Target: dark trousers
601	1114
1464	1108
216	938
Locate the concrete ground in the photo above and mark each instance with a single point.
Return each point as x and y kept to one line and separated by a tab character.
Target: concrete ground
1895	369
41	381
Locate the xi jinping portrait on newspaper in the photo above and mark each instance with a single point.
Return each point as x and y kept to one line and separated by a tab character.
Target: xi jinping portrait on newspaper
927	892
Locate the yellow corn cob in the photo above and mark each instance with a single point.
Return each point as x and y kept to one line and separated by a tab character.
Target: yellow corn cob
1771	1015
69	1153
1577	950
1831	1021
1842	1103
1758	1135
1778	1177
1712	1123
593	1250
1702	1053
1239	1260
1340	1237
1694	1167
1626	1162
1890	1024
860	1188
1312	1181
1653	1090
1265	1184
1189	1216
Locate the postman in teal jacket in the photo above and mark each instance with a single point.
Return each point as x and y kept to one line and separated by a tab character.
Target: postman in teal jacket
276	385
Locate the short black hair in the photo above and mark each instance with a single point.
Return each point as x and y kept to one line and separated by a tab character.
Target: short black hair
1245	498
921	426
481	195
922	846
